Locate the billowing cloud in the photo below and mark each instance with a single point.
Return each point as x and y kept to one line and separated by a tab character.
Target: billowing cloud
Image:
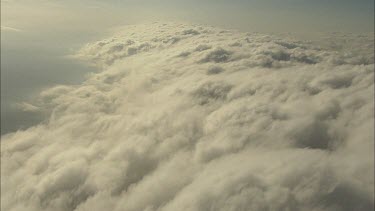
190	117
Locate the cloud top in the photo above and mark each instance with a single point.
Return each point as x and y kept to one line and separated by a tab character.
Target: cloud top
191	117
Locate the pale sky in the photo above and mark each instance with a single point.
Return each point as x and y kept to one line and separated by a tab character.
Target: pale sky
250	15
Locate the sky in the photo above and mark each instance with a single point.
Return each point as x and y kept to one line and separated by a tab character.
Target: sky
287	15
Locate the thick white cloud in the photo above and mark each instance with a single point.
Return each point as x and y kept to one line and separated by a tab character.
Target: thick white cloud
189	117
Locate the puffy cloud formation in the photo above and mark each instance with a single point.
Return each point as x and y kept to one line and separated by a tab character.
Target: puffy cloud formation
190	117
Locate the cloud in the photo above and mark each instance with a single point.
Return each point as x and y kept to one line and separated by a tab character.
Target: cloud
10	29
191	117
27	107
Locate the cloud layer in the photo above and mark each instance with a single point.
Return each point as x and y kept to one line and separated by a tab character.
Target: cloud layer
195	118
